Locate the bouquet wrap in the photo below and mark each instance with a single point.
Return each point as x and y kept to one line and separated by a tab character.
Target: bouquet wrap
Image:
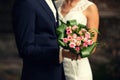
71	28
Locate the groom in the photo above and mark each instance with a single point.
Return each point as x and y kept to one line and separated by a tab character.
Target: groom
35	23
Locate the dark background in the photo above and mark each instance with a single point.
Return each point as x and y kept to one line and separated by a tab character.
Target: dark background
105	62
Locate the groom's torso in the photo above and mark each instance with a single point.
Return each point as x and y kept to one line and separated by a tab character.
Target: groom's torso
45	36
45	23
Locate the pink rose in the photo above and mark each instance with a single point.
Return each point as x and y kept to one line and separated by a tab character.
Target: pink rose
65	40
87	35
74	36
69	37
74	40
85	39
72	45
68	32
90	42
68	28
85	44
78	43
74	27
79	38
77	49
80	32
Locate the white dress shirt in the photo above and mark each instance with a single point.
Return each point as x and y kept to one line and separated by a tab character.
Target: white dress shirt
50	4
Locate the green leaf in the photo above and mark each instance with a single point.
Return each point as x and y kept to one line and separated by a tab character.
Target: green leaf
96	30
60	31
61	43
85	52
71	22
61	28
81	26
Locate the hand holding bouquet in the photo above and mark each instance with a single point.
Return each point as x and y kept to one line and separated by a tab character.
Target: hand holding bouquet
76	37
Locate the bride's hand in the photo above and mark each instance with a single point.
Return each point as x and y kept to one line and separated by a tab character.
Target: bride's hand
68	54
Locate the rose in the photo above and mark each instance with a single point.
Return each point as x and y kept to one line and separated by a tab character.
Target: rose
74	27
85	39
68	32
85	44
65	40
69	37
74	40
77	49
87	35
68	28
72	45
79	38
74	36
78	43
90	42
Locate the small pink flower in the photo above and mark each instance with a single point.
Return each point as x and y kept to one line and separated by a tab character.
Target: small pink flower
65	40
74	40
87	35
74	36
69	37
80	32
82	37
77	49
85	39
68	32
90	42
72	45
78	43
85	44
79	38
74	27
68	28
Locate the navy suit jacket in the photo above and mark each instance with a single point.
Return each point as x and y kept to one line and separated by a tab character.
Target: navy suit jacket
35	33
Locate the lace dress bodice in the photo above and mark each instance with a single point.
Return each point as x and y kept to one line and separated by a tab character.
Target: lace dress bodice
76	12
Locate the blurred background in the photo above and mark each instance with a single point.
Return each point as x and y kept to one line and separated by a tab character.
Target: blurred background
105	63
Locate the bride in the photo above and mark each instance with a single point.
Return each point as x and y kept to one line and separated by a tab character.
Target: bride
85	12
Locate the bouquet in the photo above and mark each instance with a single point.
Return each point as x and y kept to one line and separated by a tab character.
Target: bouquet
76	37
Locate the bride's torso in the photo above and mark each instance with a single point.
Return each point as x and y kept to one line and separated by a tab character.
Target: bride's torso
76	69
76	12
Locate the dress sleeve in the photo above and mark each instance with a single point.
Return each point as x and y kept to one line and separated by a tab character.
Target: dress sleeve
84	5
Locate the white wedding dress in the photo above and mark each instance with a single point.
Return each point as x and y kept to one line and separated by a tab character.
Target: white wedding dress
80	69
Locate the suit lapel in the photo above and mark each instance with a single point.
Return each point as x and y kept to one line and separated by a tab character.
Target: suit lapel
47	9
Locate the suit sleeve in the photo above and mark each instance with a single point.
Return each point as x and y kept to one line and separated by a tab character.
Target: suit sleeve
24	29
